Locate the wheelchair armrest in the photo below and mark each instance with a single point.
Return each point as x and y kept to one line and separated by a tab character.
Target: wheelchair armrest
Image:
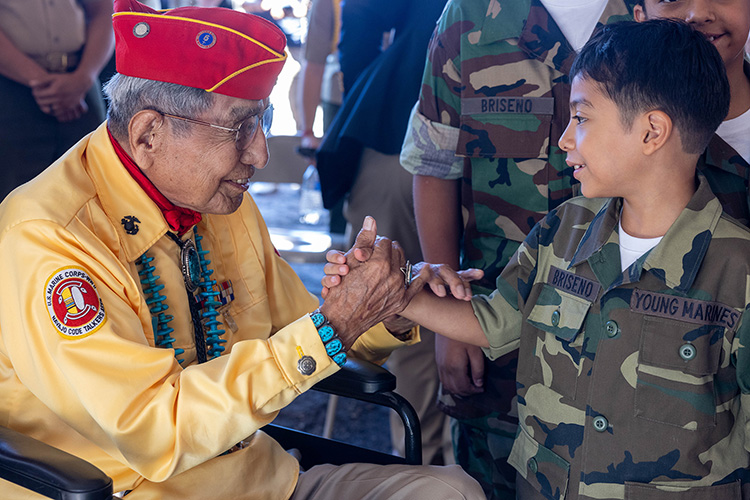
358	377
49	471
366	381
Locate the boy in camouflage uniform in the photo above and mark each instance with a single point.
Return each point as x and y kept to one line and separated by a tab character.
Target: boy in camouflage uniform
493	105
633	379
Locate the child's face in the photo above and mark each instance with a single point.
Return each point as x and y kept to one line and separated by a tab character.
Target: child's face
725	22
599	147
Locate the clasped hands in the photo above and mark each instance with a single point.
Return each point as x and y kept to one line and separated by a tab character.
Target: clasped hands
62	95
366	285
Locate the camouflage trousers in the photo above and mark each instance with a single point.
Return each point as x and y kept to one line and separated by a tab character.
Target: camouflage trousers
483	452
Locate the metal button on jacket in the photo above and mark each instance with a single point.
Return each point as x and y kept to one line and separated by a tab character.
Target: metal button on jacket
555	318
612	328
600	423
687	351
533	466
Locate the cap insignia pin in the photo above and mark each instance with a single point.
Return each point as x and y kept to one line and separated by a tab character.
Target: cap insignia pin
205	39
141	29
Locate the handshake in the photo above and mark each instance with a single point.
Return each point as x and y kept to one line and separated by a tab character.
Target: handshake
372	283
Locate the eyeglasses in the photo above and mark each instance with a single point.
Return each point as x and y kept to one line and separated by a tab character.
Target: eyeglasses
244	133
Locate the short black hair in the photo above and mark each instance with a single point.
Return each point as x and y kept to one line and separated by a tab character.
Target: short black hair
660	64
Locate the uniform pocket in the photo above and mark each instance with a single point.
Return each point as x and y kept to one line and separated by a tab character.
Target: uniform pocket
500	135
559	316
676	367
637	491
544	469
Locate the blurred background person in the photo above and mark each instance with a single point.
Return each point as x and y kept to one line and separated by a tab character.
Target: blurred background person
320	85
382	53
51	54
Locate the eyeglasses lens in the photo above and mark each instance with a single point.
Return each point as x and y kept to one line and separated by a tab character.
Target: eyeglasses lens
248	128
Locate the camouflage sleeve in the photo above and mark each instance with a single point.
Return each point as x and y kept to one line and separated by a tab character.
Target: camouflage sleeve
430	148
500	313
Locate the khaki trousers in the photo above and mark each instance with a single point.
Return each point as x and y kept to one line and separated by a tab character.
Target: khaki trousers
380	482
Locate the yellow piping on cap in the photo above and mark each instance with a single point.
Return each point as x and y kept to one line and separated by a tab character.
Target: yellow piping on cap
190	20
242	70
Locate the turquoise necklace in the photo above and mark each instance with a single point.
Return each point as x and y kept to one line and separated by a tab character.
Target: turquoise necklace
203	304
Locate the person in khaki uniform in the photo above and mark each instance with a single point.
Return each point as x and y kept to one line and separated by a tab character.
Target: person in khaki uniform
147	324
629	306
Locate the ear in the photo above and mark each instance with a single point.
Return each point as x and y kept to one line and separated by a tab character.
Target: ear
657	130
639	13
146	136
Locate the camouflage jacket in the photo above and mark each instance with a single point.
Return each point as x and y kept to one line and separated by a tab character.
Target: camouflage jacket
635	384
493	104
728	174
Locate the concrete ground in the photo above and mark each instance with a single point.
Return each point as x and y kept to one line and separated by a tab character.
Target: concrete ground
355	422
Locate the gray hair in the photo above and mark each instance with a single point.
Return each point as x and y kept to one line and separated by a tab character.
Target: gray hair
127	95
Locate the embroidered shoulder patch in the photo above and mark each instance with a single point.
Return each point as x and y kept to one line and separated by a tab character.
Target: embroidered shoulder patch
73	303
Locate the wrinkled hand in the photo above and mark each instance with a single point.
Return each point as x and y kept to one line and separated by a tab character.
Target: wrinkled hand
460	366
437	276
339	262
373	290
62	94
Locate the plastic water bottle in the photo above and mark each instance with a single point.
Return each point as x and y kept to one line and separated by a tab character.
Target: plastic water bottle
311	209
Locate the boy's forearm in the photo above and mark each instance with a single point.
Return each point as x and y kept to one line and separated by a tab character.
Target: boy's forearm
447	316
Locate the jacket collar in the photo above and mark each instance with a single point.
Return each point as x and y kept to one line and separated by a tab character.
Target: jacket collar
547	45
139	221
675	260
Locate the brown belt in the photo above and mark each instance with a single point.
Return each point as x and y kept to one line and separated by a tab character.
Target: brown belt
59	62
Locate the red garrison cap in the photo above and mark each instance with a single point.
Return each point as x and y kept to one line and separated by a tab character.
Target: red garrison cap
215	49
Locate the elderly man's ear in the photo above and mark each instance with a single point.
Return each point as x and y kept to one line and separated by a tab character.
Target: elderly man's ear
146	136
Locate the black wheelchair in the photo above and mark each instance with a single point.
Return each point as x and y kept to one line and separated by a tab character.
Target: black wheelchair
56	474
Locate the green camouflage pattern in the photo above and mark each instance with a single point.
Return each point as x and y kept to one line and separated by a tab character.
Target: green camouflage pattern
514	172
635	384
497	74
728	174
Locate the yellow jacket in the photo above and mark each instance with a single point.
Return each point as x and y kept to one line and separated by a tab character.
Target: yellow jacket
103	391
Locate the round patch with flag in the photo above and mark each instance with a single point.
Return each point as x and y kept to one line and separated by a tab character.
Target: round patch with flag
73	303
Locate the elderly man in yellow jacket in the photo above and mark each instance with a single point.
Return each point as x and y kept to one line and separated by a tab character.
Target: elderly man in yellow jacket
147	324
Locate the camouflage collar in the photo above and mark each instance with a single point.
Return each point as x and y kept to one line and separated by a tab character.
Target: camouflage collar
675	260
510	25
537	33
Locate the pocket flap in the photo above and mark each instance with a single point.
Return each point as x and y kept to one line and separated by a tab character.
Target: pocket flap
546	471
638	491
558	312
689	348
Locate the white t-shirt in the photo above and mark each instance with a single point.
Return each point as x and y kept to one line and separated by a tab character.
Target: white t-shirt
736	133
576	18
631	248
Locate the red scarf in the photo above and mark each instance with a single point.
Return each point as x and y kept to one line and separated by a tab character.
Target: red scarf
179	219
